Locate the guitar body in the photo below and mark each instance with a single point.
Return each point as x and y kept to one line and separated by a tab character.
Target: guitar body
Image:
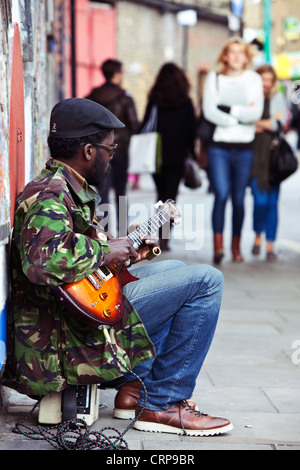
97	298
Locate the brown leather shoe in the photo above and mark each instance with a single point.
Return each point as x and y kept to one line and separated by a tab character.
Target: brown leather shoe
181	419
127	398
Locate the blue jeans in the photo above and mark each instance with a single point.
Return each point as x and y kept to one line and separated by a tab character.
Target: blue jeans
265	211
229	171
179	306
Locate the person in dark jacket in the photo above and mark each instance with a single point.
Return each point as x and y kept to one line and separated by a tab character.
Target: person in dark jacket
113	97
176	125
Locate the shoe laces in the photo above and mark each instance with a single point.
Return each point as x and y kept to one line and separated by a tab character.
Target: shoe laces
185	404
187	407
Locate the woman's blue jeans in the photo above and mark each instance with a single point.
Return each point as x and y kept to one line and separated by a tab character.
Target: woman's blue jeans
265	210
179	306
229	171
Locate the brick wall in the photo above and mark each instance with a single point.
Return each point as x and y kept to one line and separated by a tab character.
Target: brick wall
146	39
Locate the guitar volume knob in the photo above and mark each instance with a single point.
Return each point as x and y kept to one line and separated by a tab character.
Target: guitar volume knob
107	313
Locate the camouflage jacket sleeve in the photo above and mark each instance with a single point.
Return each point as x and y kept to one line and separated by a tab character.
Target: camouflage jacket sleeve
52	251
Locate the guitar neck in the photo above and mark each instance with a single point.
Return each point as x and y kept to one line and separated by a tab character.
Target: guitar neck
149	227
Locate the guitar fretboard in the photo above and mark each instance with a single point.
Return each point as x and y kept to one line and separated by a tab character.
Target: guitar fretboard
150	226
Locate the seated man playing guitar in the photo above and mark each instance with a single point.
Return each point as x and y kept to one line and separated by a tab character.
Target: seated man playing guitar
161	317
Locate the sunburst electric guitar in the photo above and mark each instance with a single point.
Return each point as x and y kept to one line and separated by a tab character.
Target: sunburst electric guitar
97	299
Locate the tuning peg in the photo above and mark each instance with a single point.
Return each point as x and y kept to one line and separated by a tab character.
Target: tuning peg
176	221
158	204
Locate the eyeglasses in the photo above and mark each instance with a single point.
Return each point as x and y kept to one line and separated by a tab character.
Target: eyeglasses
110	148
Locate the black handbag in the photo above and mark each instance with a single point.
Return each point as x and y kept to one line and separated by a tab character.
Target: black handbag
192	178
205	129
283	161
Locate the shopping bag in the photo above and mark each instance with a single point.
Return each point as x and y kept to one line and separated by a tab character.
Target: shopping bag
145	148
143	153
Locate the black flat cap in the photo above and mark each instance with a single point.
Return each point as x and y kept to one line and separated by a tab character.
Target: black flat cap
78	117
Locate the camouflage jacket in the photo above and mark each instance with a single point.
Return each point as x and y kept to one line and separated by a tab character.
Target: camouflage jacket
55	241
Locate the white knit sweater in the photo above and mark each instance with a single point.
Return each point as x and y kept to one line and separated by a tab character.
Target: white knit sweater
244	96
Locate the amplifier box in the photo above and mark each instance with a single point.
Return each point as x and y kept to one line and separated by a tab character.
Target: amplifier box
79	401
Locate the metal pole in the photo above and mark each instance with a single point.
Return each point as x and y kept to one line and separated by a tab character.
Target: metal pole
73	48
267	29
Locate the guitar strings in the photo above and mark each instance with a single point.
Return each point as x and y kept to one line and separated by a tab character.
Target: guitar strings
149	227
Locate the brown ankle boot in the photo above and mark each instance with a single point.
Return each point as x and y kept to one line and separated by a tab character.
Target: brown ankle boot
218	248
235	248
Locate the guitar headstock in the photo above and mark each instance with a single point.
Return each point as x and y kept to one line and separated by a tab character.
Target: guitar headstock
169	207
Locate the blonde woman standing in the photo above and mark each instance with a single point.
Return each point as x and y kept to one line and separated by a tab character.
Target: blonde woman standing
233	101
265	214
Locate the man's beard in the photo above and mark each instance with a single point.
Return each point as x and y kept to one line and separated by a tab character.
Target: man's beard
103	180
99	175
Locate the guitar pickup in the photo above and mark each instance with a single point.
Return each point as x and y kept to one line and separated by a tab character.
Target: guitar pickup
103	273
93	281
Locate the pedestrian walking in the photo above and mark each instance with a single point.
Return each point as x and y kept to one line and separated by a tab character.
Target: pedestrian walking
265	194
119	102
233	101
176	125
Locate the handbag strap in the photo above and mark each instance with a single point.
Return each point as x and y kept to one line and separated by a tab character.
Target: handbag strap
280	129
279	133
151	124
